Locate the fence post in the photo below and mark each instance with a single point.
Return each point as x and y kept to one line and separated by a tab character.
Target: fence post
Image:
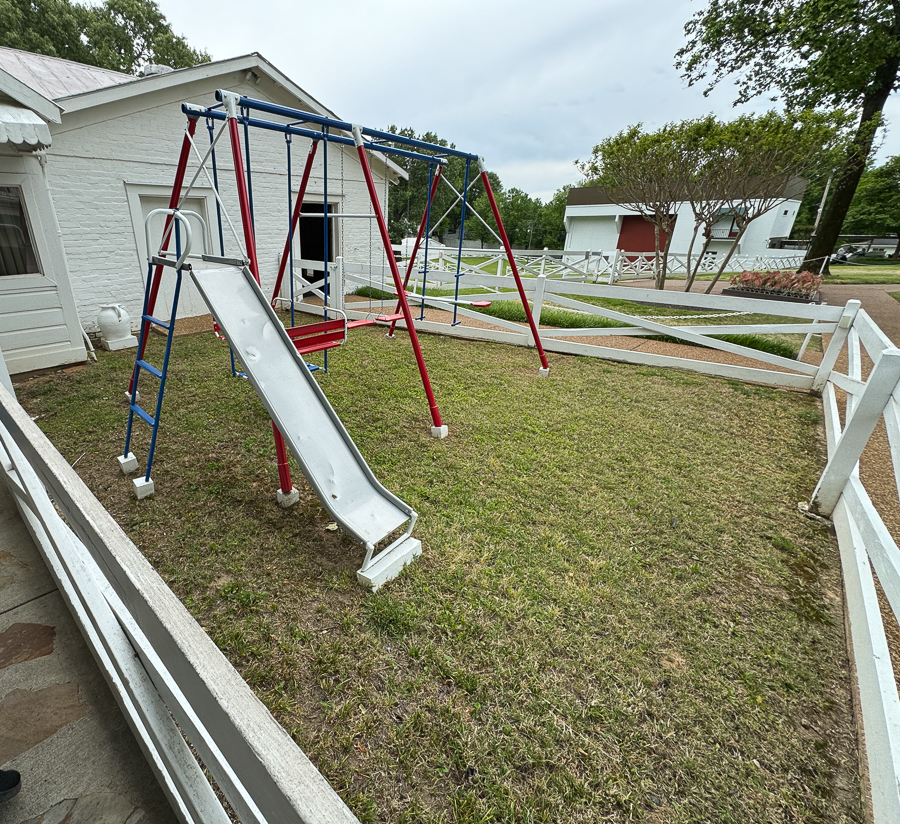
882	382
537	303
337	284
835	345
614	269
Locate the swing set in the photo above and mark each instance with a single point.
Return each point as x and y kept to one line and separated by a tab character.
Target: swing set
234	112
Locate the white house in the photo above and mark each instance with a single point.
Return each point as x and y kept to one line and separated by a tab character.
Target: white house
594	223
86	154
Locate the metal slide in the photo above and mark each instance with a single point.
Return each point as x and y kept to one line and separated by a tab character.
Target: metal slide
312	430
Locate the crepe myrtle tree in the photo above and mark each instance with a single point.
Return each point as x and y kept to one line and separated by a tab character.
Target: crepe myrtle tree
809	54
642	171
764	156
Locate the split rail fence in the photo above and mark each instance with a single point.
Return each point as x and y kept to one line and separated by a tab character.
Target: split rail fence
610	266
169	678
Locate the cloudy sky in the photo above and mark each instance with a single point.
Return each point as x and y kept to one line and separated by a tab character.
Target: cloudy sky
532	88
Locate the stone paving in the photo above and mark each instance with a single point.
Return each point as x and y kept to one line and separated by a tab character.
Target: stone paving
59	724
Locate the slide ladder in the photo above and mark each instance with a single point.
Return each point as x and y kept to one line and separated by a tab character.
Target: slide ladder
318	440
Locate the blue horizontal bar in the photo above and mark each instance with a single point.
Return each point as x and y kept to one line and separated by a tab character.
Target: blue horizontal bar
297	114
151	369
310	133
142	414
157	321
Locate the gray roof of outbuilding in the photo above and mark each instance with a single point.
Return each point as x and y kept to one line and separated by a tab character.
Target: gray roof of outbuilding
54	77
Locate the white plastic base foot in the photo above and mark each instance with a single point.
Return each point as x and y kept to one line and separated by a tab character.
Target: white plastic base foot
389	565
389	336
143	488
127	463
544	373
286	499
121	343
137	397
439	431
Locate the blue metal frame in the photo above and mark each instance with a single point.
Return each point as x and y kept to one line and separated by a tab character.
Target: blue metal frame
142	365
307	117
216	114
215	170
462	231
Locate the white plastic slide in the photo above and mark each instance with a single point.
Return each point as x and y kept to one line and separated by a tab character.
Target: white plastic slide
311	429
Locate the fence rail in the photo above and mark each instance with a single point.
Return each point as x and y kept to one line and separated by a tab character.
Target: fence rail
179	686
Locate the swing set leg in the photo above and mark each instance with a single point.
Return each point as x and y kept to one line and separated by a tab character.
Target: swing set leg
287	495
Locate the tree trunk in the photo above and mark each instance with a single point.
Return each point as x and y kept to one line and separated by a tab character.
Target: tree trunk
707	239
665	256
659	279
724	263
823	241
687	265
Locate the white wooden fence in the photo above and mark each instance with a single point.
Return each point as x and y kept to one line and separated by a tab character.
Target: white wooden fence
610	266
170	680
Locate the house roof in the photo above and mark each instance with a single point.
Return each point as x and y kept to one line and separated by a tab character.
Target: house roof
54	77
126	86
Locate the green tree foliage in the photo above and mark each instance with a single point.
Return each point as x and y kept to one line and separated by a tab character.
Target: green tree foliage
529	223
123	35
811	54
553	218
409	197
876	206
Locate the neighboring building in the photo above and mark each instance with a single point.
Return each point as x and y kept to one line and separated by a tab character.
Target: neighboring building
594	223
86	154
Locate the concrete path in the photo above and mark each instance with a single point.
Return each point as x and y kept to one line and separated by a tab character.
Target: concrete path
875	299
59	724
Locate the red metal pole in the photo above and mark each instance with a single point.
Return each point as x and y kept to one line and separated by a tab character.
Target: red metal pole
174	198
395	272
284	472
415	251
295	217
512	262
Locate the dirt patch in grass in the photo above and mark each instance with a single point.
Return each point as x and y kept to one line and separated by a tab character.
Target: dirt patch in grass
618	616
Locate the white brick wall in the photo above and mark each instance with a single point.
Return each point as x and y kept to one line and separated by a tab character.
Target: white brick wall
90	165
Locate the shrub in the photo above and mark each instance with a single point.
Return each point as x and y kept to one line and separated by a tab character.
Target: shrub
800	284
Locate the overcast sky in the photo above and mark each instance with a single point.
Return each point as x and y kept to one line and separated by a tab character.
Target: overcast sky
531	88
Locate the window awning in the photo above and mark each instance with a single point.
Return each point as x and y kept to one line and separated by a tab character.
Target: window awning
22	128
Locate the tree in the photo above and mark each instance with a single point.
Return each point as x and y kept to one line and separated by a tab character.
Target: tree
553	218
643	172
876	206
765	155
409	197
812	54
122	35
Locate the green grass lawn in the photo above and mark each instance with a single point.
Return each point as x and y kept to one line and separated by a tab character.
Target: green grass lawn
619	615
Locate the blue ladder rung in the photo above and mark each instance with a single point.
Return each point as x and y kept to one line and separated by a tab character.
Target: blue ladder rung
150	368
313	367
157	321
142	414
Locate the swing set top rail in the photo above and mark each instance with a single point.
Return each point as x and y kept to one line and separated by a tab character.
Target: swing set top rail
300	116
